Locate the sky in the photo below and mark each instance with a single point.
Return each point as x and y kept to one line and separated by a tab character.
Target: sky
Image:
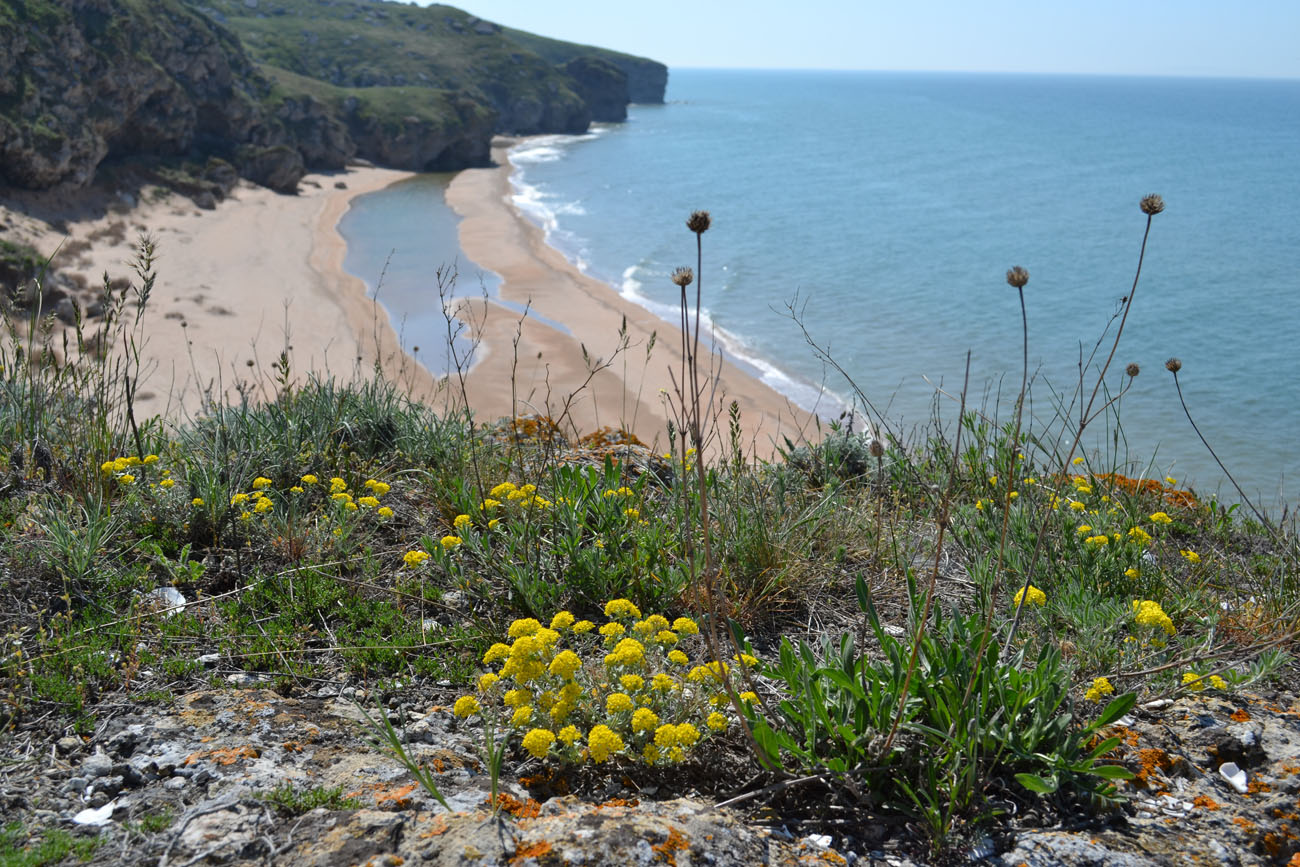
1252	38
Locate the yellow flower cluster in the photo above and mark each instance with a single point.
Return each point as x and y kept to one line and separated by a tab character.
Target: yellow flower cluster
625	684
1100	689
1196	682
1034	596
1149	613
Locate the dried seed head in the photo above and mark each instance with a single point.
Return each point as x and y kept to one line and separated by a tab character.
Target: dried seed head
699	222
1173	365
877	448
683	277
1152	205
1018	277
1132	370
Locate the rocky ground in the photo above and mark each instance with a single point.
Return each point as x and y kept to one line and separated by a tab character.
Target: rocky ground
228	776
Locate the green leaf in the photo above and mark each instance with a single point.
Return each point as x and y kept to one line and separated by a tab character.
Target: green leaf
1111	772
1116	709
1035	783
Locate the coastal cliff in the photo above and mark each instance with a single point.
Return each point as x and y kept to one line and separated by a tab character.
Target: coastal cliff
268	89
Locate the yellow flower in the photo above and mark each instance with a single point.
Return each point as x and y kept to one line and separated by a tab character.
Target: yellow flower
368	502
717	722
1149	613
677	657
1191	556
1161	518
197	501
414	558
1131	572
748	697
662	683
1193	681
296	489
461	522
632	513
108	467
628	652
495	652
377	488
568	735
603	741
644	720
486	681
261	483
337	485
489	504
565	663
618	702
612	630
1077	506
263	505
449	542
538	742
502	490
522	715
1218	682
622	608
685	626
1034	597
1137	534
562	620
385	512
687	735
1077	461
126	478
632	682
1083	529
1171	480
520	628
350	506
1100	687
465	706
309	479
149	459
583	626
1013	495
650	753
492	524
341	497
979	504
1097	541
166	483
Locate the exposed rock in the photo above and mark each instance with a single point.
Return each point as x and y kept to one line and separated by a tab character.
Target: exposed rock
279	167
602	85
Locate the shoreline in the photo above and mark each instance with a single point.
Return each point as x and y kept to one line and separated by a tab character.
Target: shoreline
236	285
264	272
530	365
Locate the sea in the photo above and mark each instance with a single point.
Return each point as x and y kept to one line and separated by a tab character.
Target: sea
863	224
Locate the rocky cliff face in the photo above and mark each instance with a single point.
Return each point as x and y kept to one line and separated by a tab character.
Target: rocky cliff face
86	79
277	87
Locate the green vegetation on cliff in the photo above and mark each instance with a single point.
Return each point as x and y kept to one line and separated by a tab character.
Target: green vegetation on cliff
279	86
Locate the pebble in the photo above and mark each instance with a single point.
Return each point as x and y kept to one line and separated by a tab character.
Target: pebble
67	745
96	766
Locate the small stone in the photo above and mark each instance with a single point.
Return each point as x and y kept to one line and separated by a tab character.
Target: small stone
209	659
67	745
96	766
110	786
174	784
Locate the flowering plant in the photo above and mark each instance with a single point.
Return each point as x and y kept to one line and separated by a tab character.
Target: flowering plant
575	692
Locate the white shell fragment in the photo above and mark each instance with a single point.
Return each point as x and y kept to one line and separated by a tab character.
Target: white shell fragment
101	816
1235	776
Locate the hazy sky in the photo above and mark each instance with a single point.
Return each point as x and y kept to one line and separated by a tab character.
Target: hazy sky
1145	37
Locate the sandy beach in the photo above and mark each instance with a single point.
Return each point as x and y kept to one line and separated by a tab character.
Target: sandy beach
264	271
535	367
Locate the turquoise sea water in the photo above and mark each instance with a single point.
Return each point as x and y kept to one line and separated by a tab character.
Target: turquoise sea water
890	205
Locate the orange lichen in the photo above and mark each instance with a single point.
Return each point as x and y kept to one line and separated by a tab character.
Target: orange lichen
528	809
225	756
1295	860
608	436
1149	761
668	849
535	427
1172	496
1205	802
1243	823
292	746
1239	715
618	802
399	798
531	850
439	827
1255	787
